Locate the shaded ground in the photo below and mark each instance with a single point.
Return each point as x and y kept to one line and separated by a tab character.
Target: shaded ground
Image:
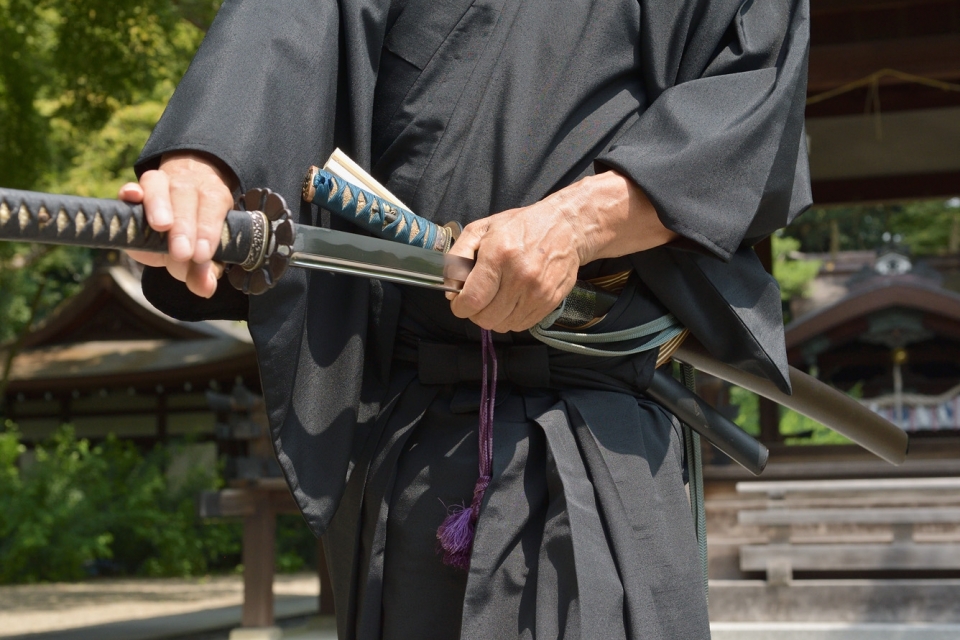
26	609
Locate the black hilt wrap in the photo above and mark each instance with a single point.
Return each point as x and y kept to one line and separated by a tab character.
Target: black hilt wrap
256	237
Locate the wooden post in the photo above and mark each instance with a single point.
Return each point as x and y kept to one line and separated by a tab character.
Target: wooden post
259	532
769	421
326	586
769	410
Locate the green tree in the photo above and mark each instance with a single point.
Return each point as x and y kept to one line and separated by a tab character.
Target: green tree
792	274
927	227
81	85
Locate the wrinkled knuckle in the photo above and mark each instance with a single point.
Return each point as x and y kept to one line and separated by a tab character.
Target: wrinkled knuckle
182	184
532	272
216	191
470	301
512	251
151	176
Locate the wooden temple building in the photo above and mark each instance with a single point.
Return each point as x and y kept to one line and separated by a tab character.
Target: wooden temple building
108	362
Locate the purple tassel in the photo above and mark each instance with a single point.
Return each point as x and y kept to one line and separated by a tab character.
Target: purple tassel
456	532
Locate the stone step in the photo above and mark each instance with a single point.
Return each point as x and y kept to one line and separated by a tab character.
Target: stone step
844	601
832	631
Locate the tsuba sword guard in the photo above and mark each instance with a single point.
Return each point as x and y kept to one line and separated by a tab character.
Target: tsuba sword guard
270	246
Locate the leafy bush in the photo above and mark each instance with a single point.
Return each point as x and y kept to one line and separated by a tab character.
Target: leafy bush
795	428
79	510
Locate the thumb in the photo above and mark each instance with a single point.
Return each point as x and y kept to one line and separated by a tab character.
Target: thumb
466	246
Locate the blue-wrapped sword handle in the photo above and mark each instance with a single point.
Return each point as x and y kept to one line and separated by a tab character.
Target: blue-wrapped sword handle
375	214
388	220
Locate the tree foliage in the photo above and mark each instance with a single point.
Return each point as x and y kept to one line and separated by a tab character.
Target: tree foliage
927	227
81	86
79	509
72	65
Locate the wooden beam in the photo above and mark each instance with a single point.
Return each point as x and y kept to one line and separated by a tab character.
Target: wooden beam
830	7
878	515
242	502
834	65
853	557
259	535
893	98
887	188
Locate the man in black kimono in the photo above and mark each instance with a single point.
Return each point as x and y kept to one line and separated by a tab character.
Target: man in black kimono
642	137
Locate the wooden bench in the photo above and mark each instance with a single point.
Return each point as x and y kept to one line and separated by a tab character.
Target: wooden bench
852	526
258	503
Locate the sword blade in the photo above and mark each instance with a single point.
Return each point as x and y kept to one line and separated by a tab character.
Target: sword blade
353	254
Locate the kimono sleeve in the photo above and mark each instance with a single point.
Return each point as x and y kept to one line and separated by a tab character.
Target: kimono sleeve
720	149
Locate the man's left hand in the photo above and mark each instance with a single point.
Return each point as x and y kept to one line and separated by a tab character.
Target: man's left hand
528	258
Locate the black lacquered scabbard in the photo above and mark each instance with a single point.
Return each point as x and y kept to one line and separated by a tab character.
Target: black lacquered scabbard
249	237
696	413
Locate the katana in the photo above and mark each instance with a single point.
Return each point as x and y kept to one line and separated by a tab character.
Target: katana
259	241
345	189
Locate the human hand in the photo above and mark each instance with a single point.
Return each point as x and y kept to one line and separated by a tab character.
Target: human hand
526	263
188	197
527	258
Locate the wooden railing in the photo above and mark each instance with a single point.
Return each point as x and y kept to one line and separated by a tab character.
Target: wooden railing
853	526
259	502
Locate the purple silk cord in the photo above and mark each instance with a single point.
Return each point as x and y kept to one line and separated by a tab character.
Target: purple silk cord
456	532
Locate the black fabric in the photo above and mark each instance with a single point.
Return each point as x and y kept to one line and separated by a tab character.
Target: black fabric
526	365
463	109
584	532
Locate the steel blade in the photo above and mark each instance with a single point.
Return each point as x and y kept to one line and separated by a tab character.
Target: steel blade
354	254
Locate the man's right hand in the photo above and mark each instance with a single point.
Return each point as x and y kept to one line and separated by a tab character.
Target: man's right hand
188	197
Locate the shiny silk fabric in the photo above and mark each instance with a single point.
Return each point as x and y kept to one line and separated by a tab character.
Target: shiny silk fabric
464	109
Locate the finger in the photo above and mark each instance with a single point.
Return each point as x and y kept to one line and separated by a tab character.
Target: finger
156	200
148	258
496	316
185	200
531	316
466	246
131	192
212	209
546	302
478	291
177	269
469	241
202	278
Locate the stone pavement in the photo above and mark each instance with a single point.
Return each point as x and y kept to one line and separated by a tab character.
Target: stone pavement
208	608
141	609
832	631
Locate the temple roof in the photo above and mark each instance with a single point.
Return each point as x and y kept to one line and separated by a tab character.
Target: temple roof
108	335
875	318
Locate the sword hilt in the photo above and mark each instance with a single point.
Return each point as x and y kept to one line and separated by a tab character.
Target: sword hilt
375	214
583	305
256	239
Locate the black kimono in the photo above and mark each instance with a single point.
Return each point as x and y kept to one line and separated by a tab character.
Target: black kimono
464	108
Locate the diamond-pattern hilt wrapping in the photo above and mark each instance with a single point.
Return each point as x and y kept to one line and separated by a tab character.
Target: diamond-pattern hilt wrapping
368	210
29	216
258	236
